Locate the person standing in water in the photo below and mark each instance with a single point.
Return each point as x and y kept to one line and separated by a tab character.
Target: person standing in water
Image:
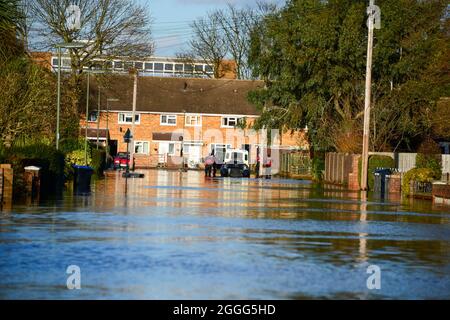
258	163
209	163
268	165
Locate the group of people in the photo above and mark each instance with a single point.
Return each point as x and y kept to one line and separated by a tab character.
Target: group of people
266	167
264	172
210	165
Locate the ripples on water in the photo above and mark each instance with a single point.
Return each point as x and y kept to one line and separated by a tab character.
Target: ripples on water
179	236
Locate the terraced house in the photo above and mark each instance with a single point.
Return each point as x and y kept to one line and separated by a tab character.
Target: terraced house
179	117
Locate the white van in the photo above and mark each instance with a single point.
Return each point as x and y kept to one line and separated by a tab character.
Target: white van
236	156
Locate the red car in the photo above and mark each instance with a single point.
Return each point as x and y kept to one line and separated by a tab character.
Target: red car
121	160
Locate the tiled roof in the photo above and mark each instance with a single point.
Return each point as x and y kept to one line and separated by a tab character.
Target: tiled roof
213	96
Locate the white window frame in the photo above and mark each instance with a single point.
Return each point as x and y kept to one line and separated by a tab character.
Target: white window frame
227	118
173	116
189	124
97	119
227	146
142	142
129	114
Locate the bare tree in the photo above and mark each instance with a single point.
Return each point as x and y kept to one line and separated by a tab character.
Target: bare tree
236	25
227	33
107	28
209	41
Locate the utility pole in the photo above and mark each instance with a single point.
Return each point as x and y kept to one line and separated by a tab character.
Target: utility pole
182	141
107	126
98	116
58	98
135	71
373	21
87	119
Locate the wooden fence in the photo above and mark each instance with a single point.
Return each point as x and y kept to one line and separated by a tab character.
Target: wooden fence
340	166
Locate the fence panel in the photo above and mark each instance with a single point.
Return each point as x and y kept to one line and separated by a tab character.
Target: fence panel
406	161
446	163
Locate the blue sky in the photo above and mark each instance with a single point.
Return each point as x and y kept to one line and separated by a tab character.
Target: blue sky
171	19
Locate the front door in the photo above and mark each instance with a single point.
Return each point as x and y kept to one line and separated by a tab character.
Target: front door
194	156
163	150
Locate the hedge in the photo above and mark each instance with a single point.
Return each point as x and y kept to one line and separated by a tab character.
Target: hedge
50	160
375	162
416	174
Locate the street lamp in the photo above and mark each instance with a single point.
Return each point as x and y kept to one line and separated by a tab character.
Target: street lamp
71	45
107	122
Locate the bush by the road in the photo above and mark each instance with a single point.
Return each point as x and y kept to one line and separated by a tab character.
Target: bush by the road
50	160
98	161
418	175
429	157
375	162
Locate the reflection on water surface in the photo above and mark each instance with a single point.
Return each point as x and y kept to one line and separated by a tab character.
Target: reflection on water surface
178	236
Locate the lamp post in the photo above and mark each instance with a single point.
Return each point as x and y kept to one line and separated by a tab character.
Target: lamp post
71	45
107	126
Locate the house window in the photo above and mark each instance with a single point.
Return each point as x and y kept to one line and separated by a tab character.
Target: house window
193	120
138	65
125	118
148	66
159	66
168	120
93	116
198	68
141	147
128	65
230	122
209	69
168	67
179	67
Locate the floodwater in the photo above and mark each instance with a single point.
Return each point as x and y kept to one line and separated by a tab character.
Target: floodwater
178	236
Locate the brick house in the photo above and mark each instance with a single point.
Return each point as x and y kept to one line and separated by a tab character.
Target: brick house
178	116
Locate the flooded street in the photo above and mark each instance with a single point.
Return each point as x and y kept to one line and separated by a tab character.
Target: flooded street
178	236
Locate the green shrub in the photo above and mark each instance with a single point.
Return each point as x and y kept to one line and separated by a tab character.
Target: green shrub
375	162
416	174
72	144
318	165
429	156
50	160
98	161
76	157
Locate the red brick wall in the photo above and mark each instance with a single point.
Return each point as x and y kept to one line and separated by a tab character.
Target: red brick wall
441	190
150	123
395	183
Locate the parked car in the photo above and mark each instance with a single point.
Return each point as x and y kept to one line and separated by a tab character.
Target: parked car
121	160
235	164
